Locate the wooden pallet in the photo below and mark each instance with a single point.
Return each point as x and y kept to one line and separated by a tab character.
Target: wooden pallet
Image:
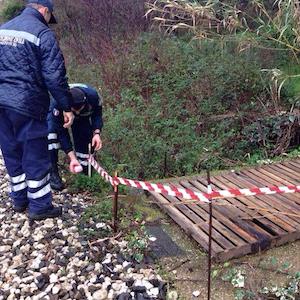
241	225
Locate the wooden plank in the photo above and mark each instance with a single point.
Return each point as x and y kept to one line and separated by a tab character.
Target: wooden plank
222	217
270	201
233	236
296	163
291	166
198	216
196	219
285	172
289	170
268	221
238	250
291	201
234	211
273	179
186	224
251	228
218	219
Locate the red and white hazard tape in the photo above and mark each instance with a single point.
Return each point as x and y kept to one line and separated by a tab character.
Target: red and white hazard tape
151	187
189	194
101	171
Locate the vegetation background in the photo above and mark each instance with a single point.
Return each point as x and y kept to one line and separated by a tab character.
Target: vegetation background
181	99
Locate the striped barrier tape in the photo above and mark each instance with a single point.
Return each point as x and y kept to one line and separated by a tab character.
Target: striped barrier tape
189	194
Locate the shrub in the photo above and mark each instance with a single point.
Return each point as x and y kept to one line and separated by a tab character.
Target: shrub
168	99
11	9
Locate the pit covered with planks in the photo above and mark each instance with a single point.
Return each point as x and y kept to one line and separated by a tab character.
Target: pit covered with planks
241	225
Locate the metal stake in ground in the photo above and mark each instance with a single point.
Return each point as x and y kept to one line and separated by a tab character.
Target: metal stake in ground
89	163
115	205
209	190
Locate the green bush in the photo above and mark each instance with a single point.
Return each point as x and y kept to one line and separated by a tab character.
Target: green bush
11	9
92	184
170	90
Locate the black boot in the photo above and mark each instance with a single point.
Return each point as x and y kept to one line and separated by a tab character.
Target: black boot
55	180
52	212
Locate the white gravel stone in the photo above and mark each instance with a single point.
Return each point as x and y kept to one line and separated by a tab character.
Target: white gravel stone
172	295
5	248
53	278
100	295
56	289
153	292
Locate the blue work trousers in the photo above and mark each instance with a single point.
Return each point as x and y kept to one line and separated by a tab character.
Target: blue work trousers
24	146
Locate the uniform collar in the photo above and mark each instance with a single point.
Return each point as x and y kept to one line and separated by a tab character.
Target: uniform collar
35	13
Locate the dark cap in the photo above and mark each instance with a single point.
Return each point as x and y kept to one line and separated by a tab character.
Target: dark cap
48	4
78	97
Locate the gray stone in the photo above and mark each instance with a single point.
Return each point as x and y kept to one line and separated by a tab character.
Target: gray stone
100	295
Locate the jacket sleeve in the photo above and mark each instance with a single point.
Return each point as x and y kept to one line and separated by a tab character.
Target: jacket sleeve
65	140
96	118
55	125
54	71
96	103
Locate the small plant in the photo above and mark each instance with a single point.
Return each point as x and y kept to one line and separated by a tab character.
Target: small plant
237	278
289	292
138	242
94	222
100	212
91	184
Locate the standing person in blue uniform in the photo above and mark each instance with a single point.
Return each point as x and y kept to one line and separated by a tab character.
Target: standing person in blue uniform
87	108
31	65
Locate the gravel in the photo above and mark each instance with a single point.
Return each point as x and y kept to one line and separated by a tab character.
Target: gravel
50	259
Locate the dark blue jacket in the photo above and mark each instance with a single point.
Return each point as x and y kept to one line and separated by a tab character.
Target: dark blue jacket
31	64
91	112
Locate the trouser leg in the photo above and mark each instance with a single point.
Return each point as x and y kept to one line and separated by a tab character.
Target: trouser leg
82	136
36	163
12	153
53	146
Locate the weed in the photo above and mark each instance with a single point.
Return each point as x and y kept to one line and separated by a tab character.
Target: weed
90	184
138	242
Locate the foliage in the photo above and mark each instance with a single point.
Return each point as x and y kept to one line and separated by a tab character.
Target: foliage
97	31
274	134
100	212
289	292
93	222
11	9
173	106
244	289
252	23
166	113
91	184
138	243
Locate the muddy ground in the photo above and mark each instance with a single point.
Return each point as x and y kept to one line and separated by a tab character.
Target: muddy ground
187	269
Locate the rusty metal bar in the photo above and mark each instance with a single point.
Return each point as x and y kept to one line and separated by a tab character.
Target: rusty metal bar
209	190
89	164
115	205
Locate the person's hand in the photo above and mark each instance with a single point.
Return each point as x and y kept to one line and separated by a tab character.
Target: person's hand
68	119
73	163
96	142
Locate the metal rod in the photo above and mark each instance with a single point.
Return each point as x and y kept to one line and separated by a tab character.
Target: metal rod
115	205
89	163
209	190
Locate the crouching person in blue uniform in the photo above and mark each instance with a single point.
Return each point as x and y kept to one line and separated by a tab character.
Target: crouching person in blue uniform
31	64
87	108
